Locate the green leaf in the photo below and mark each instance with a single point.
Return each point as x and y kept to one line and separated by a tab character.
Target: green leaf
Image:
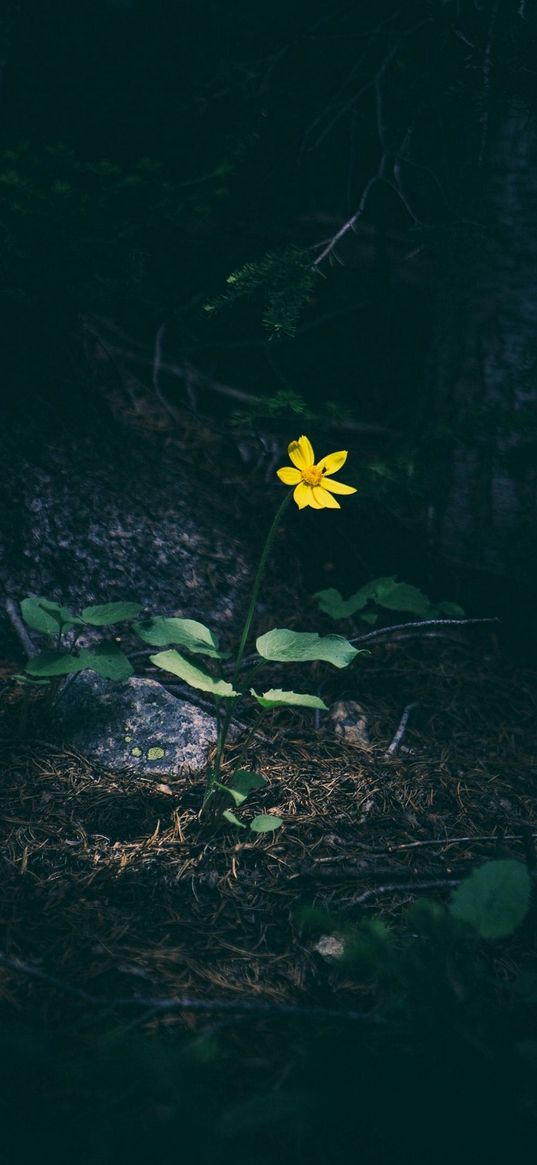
400	596
53	663
46	616
105	613
385	592
332	603
295	646
276	698
196	637
179	666
244	781
494	899
230	816
237	797
107	660
265	823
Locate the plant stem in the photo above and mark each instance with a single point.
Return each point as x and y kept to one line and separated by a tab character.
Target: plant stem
224	729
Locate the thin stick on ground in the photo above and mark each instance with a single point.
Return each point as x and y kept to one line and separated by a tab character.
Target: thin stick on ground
395	744
18	626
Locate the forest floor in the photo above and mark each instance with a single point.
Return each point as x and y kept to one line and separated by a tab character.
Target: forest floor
123	912
112	886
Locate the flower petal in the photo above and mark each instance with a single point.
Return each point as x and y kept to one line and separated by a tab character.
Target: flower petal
302	495
288	475
336	487
333	461
315	502
324	499
301	453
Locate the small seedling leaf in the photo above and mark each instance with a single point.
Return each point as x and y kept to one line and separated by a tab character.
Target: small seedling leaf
245	782
233	820
237	797
265	823
276	698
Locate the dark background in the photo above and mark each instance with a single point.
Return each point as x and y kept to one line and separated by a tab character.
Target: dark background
150	148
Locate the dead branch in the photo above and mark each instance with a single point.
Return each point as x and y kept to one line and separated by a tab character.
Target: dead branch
20	629
161	1006
395	744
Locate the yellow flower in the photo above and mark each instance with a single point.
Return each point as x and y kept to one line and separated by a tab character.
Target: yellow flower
312	486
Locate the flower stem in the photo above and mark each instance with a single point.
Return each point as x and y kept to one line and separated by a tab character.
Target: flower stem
214	774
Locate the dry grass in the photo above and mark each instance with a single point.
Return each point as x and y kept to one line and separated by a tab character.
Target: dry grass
111	883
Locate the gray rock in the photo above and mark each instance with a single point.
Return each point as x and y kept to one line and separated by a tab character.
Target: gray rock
135	725
350	723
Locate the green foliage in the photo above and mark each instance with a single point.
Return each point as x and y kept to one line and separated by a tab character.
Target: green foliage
287	646
241	784
389	594
494	899
106	613
195	637
175	663
285	279
244	781
53	663
276	698
47	617
265	823
53	620
108	660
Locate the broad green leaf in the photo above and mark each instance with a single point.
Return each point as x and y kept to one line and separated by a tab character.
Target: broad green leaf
161	631
179	666
400	596
237	797
230	816
244	781
276	698
107	660
333	603
105	613
286	646
53	663
385	592
494	899
46	616
265	823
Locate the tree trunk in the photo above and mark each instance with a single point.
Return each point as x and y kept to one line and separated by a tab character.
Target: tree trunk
484	370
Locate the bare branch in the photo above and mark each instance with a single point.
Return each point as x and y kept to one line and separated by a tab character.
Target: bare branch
395	744
418	626
20	628
160	1006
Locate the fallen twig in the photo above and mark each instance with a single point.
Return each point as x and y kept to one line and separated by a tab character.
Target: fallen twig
393	887
417	626
155	1006
395	744
20	629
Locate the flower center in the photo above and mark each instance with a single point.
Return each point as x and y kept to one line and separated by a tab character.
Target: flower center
312	475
